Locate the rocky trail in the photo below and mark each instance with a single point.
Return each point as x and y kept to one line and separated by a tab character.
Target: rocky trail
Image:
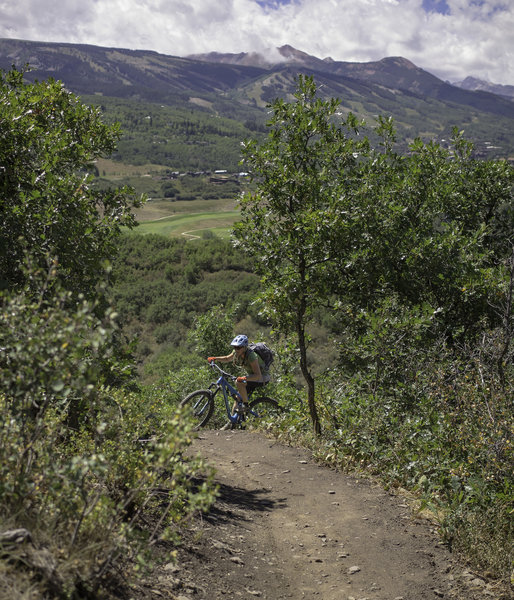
286	527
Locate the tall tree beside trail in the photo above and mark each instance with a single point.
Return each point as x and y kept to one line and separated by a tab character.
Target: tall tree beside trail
287	222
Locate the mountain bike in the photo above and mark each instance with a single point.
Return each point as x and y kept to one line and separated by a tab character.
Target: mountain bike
201	403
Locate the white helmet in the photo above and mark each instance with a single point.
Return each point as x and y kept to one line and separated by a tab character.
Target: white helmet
239	341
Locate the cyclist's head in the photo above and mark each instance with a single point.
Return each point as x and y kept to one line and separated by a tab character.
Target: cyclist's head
240	341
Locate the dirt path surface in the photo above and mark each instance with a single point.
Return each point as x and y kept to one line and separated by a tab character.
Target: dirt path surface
286	527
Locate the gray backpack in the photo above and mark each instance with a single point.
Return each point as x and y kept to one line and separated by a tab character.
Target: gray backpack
263	351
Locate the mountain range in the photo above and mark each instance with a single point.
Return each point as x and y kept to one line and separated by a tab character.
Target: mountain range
395	72
241	85
474	84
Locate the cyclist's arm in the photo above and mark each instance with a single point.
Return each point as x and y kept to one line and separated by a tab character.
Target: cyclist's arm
256	375
223	359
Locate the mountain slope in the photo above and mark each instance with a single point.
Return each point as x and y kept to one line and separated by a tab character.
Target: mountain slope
395	73
85	66
239	86
474	84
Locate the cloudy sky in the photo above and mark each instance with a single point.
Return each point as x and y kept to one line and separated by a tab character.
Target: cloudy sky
450	38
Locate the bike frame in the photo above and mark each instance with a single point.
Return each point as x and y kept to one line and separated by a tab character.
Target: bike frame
228	392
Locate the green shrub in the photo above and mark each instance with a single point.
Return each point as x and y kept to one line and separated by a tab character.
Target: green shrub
81	463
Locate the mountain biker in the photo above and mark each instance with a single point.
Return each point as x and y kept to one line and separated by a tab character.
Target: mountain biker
241	355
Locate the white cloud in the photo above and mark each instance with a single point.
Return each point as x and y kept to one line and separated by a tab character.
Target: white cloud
474	38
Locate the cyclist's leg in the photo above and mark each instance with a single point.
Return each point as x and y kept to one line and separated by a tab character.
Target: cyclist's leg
243	389
251	386
262	408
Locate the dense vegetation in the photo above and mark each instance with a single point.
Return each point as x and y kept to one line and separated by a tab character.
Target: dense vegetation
404	263
193	139
161	285
415	114
78	487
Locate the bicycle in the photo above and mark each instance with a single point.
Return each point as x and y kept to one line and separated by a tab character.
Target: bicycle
201	403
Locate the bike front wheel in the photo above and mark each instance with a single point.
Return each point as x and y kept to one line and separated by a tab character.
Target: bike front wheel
200	406
262	409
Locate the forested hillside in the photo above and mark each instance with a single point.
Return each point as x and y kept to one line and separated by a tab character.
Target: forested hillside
178	137
161	285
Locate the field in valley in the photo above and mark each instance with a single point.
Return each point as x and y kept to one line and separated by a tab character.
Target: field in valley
189	221
171	217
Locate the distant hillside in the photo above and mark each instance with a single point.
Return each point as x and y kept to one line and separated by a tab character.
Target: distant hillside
474	84
120	73
395	73
239	86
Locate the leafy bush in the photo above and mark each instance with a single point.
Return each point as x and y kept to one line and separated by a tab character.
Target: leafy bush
212	332
81	463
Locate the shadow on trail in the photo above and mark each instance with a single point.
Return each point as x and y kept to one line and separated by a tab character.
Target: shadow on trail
234	502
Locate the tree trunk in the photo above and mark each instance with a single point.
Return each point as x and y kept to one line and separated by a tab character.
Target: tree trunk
309	379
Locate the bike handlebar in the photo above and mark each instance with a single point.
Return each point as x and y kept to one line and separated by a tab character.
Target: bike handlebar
224	373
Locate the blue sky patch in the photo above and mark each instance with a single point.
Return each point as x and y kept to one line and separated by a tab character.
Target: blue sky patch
273	3
439	6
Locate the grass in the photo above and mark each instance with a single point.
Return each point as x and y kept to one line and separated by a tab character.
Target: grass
191	225
159	208
187	218
172	217
115	170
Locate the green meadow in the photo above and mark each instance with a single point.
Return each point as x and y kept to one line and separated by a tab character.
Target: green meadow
191	225
185	206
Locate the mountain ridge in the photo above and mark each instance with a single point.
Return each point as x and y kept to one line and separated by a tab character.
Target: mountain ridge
395	72
474	84
240	86
231	70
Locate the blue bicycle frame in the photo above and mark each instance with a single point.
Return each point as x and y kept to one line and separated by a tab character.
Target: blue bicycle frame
229	391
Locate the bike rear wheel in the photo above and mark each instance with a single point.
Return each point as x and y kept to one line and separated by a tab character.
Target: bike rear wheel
262	409
200	406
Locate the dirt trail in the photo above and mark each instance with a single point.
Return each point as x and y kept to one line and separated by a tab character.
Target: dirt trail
285	527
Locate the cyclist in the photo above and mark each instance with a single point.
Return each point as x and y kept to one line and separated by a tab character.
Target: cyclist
241	355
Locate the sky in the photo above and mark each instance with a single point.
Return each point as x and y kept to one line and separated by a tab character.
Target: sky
452	39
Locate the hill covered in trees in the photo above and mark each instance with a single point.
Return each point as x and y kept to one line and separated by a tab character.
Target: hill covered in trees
162	285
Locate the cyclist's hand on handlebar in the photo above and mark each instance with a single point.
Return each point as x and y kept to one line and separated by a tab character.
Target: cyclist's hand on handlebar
211	359
241	379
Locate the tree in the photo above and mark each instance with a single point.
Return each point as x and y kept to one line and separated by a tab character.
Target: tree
287	223
334	222
49	141
212	332
432	227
